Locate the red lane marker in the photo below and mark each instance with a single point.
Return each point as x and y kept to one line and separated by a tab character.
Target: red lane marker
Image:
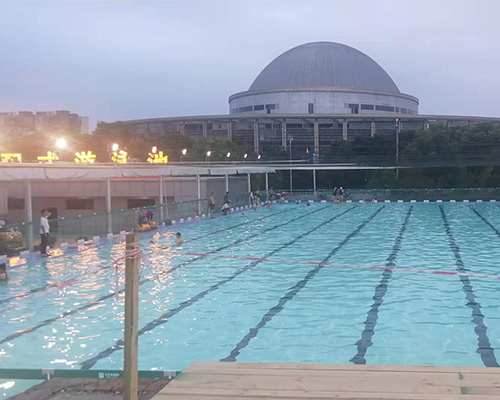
374	267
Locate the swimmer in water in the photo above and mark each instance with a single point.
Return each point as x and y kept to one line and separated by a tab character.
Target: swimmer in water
179	240
308	203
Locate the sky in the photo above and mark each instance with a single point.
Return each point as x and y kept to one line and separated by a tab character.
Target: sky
119	60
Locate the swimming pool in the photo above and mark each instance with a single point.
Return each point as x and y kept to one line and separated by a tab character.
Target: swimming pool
398	283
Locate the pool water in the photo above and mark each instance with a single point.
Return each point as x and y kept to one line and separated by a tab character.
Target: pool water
267	286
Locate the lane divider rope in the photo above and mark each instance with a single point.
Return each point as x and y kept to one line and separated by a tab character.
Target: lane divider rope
358	266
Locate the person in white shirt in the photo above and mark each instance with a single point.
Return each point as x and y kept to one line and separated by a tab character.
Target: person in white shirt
44	232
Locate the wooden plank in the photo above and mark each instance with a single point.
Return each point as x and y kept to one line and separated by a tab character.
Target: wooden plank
256	381
251	394
447	378
335	367
318	373
423	383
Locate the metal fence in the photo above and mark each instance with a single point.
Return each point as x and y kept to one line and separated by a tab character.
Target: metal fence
392	194
16	237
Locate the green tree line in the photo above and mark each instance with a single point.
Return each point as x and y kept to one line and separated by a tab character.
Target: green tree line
439	157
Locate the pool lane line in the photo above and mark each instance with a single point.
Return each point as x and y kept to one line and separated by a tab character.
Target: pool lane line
343	265
164	318
378	298
44	287
497	232
143	281
272	312
484	346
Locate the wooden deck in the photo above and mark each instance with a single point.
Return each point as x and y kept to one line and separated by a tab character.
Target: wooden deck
251	381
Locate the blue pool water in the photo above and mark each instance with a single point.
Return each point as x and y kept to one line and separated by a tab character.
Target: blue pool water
275	310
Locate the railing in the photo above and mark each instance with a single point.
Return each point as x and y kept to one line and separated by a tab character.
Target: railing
392	194
14	238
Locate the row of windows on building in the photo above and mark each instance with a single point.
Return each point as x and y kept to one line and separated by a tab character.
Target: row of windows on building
258	107
372	107
310	108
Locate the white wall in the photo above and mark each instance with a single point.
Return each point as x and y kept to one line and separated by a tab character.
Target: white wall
324	102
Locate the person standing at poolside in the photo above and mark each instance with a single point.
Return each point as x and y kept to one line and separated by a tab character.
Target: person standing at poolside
341	194
334	194
226	198
271	194
44	232
211	204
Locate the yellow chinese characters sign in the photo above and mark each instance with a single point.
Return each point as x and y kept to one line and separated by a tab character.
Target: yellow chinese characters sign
11	157
49	158
85	157
157	158
119	157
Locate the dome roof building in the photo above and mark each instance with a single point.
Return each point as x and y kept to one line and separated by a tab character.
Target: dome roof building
323	78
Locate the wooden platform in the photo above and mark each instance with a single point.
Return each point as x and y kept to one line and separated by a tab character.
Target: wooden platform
250	381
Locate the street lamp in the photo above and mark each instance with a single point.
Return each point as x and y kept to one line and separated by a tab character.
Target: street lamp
245	156
115	147
228	154
209	153
154	149
290	139
61	144
258	157
183	154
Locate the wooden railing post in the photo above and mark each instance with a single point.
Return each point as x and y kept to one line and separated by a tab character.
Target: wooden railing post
132	263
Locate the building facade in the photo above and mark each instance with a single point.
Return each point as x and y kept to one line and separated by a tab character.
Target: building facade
314	94
323	78
27	123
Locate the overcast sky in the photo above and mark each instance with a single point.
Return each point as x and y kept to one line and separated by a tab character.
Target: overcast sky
118	60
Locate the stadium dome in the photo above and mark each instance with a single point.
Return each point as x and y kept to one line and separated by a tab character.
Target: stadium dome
324	64
323	78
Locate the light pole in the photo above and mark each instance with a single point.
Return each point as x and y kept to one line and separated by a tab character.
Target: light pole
184	152
290	139
154	150
60	145
209	153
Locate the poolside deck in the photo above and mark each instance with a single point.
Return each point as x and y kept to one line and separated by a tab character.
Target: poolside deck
255	381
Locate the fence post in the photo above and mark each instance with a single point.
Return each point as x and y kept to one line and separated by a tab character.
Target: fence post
29	216
162	197
108	205
198	186
131	315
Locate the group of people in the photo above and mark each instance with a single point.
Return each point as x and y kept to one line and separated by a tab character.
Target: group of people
255	199
338	194
226	207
